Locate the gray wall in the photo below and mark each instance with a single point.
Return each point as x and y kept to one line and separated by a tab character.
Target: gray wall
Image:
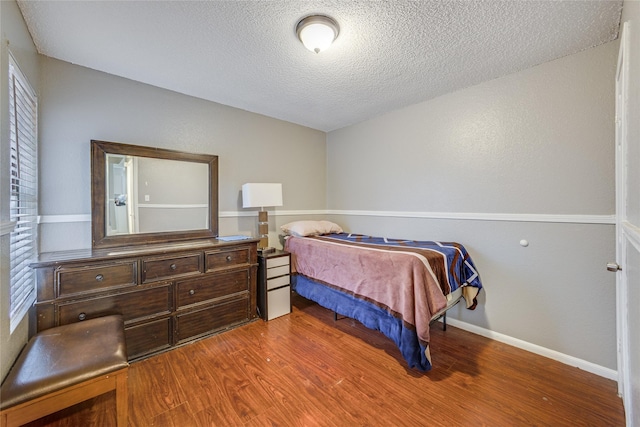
15	36
527	156
79	104
166	182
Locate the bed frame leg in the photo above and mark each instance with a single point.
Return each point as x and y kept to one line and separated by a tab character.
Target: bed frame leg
444	321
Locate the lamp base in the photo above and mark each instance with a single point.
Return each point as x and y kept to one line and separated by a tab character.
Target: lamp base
263	229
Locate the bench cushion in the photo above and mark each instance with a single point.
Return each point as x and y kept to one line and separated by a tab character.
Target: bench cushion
63	356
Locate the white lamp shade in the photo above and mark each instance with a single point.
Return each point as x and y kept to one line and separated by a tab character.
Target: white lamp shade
258	195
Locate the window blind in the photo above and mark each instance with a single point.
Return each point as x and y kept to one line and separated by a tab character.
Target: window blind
23	203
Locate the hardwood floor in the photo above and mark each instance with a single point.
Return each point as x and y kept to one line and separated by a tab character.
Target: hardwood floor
304	369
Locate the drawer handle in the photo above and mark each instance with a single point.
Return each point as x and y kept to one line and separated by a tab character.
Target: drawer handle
192	292
173	266
228	258
82	316
99	277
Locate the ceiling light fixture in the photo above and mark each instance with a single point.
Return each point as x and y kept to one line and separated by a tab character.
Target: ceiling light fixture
317	32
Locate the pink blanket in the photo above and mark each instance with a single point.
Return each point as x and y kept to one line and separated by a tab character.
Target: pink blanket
403	281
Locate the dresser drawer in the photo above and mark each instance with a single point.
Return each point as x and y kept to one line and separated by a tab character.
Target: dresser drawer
210	287
148	337
217	260
201	322
160	268
133	306
95	278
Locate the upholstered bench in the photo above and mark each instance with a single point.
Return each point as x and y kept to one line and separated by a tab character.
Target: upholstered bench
63	366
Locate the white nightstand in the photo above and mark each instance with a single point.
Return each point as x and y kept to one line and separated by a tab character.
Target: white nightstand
274	284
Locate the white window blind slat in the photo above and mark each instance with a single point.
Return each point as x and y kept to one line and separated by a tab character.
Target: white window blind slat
22	192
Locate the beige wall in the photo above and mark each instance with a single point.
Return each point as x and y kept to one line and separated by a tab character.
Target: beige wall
80	104
16	38
527	156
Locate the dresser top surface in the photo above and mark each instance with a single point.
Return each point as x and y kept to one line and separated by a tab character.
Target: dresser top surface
51	258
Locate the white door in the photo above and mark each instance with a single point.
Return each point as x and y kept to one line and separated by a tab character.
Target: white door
627	264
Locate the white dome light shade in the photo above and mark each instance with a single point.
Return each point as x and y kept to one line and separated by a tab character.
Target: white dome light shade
317	32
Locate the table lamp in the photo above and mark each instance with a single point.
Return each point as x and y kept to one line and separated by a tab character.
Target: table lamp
261	195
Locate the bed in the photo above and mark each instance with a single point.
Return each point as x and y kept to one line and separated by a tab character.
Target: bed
394	286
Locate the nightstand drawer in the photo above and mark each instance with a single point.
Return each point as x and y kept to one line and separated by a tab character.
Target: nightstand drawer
154	269
278	271
278	282
277	262
279	302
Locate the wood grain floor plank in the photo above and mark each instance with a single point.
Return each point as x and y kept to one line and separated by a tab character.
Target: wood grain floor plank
305	369
155	385
178	416
247	397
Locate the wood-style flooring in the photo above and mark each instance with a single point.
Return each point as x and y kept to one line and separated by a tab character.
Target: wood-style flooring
304	369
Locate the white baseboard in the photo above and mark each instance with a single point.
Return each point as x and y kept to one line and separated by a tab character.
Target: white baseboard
536	349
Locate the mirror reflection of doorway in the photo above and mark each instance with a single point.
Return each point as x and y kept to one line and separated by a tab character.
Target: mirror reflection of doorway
116	197
120	209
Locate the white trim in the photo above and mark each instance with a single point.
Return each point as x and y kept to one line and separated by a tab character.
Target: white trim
53	219
234	214
624	230
574	219
171	206
7	227
536	349
550	218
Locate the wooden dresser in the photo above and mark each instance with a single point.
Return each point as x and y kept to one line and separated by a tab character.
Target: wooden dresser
169	294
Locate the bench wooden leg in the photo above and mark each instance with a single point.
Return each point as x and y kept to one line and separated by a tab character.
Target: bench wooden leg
61	399
122	398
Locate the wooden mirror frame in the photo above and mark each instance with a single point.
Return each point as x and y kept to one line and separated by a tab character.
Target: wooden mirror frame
99	237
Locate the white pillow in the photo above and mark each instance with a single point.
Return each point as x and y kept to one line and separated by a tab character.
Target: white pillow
310	228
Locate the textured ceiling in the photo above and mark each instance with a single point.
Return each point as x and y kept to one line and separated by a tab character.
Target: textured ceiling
389	54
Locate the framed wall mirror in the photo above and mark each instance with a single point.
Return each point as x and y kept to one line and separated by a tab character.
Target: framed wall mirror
145	195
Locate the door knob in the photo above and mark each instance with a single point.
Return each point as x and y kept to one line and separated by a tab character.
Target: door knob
613	266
